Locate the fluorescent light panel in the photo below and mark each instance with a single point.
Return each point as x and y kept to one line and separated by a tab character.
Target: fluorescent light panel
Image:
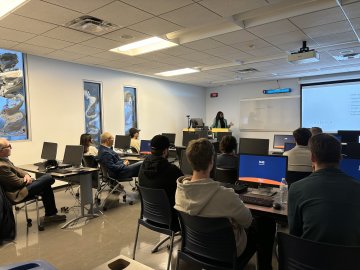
144	46
6	6
177	72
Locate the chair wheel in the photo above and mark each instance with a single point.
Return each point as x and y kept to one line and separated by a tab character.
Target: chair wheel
17	208
41	228
29	221
104	208
98	201
29	225
131	202
77	194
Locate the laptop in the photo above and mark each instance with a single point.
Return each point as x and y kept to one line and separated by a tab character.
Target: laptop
145	147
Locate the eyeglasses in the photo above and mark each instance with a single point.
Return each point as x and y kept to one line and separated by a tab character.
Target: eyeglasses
6	147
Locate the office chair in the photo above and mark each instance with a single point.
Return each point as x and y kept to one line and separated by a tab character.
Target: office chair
294	176
114	185
7	219
156	214
133	150
210	243
25	203
296	253
91	162
226	175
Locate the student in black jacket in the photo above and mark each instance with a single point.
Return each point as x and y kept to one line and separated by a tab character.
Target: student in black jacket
157	172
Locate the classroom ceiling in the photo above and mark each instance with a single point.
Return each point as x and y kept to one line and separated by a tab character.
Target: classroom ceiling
218	37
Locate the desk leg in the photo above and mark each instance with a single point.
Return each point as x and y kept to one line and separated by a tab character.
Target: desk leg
86	198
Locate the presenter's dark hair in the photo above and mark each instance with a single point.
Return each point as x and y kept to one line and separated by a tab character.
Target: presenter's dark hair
325	148
228	144
85	140
218	115
302	136
200	153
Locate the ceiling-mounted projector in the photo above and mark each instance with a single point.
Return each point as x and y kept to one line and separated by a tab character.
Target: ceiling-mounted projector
304	55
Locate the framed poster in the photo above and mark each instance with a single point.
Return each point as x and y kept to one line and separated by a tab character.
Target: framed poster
13	102
130	108
92	100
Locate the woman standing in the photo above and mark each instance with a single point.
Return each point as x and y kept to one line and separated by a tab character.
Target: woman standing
220	121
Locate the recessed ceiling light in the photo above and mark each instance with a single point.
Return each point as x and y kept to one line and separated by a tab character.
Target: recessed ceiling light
144	46
177	72
6	6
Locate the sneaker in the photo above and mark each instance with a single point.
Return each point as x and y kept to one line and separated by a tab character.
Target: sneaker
54	218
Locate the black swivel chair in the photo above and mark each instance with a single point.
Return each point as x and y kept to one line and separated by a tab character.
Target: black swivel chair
294	176
226	175
7	219
296	253
210	243
156	215
114	184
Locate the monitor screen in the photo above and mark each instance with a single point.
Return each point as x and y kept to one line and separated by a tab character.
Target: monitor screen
49	151
170	136
196	122
254	146
122	141
145	147
220	135
348	136
73	155
351	150
261	169
280	140
288	146
351	167
189	136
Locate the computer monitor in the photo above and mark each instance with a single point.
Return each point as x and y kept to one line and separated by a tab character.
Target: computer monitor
171	137
197	123
337	136
254	146
351	167
265	170
145	147
122	141
189	136
288	146
220	135
351	150
280	140
49	151
348	136
73	155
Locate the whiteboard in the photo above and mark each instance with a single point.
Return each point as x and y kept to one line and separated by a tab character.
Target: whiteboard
270	114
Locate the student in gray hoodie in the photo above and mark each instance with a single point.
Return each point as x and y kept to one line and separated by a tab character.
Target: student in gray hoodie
199	195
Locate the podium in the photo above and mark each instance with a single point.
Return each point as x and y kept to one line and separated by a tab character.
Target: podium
219	133
216	130
190	134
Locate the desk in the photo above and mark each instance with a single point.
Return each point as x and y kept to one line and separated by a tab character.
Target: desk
83	177
279	215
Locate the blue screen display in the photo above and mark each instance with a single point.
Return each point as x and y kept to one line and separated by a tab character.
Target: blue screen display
289	146
145	146
262	169
351	167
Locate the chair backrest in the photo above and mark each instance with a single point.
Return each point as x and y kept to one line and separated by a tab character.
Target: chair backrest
155	205
208	238
90	161
294	176
226	175
300	254
7	220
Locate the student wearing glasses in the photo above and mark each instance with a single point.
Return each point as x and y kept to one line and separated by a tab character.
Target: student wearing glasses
19	185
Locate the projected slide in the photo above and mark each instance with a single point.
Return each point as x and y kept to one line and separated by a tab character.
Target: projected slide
332	106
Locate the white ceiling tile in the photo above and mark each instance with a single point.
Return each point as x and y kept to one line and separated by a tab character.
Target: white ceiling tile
241	56
120	14
32	49
223	51
83	49
101	43
68	34
295	46
64	55
83	6
155	27
157	7
266	51
49	42
235	37
203	44
227	8
327	29
336	38
125	36
191	15
318	18
295	36
352	10
196	56
47	12
24	24
251	45
178	50
14	35
210	61
91	60
273	28
7	44
355	49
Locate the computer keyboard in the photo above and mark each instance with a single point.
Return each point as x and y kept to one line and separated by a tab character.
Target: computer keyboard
62	171
257	199
239	188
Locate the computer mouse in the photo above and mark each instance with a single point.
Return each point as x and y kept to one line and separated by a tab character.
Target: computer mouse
277	206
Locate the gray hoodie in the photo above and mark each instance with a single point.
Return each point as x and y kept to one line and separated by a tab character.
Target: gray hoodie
206	198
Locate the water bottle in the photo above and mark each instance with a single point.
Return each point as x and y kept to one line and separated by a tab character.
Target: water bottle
283	191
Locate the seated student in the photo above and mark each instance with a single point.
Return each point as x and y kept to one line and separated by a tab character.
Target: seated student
110	159
199	195
135	142
324	207
228	159
316	131
157	172
18	185
89	149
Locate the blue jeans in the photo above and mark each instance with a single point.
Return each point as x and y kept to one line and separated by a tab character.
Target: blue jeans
42	186
129	171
